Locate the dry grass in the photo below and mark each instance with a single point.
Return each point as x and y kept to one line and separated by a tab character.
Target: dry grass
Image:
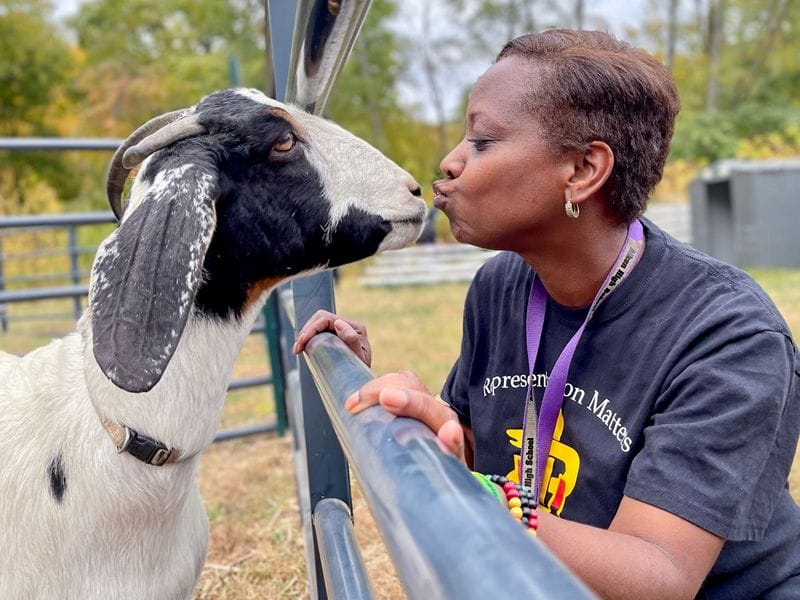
257	548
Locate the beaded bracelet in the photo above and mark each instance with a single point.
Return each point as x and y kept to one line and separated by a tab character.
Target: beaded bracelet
521	503
490	487
519	499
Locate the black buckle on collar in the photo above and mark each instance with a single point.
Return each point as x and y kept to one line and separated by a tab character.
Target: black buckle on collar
145	448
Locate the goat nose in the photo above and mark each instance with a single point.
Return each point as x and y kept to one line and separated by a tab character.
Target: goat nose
416	191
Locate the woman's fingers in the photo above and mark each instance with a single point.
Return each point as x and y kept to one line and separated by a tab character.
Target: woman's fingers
404	395
352	333
355	338
320	321
451	438
417	405
369	393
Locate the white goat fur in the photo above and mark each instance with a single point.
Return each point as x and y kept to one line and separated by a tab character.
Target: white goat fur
125	529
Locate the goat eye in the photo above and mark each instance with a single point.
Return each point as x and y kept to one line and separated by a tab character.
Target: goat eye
285	143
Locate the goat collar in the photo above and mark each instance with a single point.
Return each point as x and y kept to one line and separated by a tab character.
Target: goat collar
146	449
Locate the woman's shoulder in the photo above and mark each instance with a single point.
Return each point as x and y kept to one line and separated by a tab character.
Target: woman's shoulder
710	284
504	270
503	264
503	281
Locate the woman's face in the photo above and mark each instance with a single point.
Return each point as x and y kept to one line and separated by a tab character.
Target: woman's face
503	189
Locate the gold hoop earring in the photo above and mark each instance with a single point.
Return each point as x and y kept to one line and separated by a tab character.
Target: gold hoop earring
572	210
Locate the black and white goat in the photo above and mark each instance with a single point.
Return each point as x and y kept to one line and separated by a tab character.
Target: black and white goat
100	431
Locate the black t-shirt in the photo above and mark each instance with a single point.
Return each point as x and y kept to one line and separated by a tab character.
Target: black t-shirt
684	393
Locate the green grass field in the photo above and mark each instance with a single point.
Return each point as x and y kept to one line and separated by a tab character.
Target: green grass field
256	548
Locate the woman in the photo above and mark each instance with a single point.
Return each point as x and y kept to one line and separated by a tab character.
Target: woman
664	382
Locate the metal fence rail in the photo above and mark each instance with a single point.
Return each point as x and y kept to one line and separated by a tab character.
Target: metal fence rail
341	561
70	222
426	504
78	291
36	144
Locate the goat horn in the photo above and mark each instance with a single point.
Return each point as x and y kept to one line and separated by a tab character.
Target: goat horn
120	166
182	128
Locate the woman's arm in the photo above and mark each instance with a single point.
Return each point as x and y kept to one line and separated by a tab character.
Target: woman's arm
646	552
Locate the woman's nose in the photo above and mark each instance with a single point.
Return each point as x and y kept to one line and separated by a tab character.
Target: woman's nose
452	164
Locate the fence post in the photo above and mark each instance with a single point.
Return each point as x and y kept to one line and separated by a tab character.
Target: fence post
3	319
74	267
272	332
326	466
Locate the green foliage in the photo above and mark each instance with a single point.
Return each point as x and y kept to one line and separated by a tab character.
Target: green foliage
132	60
151	56
117	63
705	137
30	72
757	72
702	136
36	64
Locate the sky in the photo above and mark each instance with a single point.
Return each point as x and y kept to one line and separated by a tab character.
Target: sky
616	11
617	14
457	75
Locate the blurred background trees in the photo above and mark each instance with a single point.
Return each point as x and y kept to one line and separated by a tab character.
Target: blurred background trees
112	64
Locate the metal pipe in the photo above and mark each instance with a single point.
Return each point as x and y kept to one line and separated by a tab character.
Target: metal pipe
74	267
326	466
39	278
3	318
324	34
447	537
345	576
66	291
282	17
24	144
66	219
48	251
271	327
249	382
230	434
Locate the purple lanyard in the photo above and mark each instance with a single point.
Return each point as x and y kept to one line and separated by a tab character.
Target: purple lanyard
536	448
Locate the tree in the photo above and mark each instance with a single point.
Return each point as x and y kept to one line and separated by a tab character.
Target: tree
735	65
672	31
35	68
141	58
714	44
148	56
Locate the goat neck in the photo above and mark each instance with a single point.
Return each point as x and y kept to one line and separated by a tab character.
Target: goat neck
183	409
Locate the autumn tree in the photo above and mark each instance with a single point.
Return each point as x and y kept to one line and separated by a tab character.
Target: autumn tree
36	65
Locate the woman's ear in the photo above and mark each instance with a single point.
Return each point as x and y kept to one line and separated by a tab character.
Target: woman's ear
592	169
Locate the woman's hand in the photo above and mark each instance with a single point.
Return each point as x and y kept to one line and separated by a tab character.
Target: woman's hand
352	333
404	395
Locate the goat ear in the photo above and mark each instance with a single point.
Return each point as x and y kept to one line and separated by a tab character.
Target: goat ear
146	274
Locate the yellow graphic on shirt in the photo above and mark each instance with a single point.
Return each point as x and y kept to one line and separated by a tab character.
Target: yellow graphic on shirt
560	473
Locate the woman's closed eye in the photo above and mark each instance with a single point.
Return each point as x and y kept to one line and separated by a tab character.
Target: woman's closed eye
480	144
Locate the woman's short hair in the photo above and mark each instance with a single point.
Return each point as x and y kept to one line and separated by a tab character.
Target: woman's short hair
597	88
